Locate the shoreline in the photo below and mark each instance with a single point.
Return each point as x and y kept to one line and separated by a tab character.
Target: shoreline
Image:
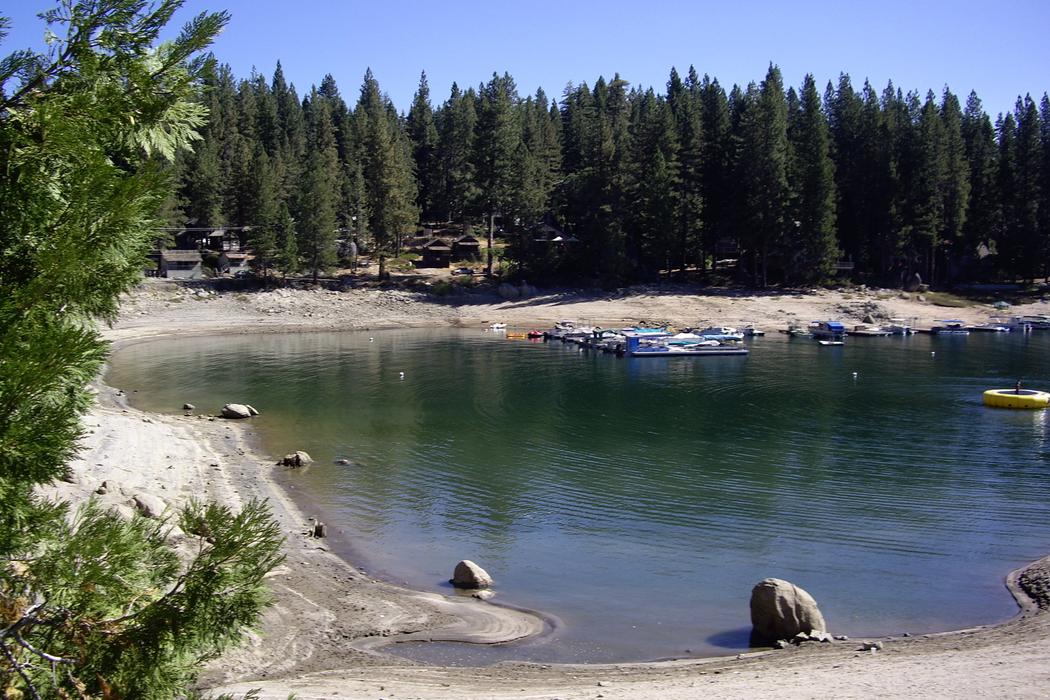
326	644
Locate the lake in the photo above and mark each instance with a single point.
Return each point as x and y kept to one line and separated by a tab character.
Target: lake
638	501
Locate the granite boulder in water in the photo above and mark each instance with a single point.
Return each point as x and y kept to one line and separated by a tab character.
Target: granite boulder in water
781	610
238	410
470	575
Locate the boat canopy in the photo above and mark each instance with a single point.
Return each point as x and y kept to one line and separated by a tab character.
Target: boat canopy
835	326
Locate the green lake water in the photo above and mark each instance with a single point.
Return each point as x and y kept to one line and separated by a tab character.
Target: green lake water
638	501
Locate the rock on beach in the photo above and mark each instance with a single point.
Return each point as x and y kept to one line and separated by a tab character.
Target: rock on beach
782	610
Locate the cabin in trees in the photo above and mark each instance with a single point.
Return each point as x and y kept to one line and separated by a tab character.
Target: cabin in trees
466	248
435	253
181	264
232	263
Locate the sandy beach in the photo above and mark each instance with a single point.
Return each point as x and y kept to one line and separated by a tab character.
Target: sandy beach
325	634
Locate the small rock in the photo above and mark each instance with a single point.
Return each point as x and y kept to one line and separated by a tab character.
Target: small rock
841	638
781	644
343	462
870	646
188	407
483	594
800	637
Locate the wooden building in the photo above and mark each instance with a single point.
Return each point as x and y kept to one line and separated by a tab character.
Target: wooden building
436	253
181	264
466	248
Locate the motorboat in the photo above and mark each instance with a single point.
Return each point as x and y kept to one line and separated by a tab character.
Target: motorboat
994	325
750	331
898	326
828	330
498	327
952	326
870	330
721	333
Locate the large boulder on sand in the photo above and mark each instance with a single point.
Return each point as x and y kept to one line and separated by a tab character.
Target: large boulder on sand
780	610
470	575
912	282
149	505
236	410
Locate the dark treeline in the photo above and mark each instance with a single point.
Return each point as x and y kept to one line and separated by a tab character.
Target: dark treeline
788	182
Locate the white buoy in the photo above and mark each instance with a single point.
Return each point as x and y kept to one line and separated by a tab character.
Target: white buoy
854	375
371	339
402	375
933	353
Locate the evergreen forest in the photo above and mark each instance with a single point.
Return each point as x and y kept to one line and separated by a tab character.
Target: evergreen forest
614	184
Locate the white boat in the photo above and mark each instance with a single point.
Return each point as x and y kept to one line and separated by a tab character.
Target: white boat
750	331
994	325
498	327
831	342
869	330
720	333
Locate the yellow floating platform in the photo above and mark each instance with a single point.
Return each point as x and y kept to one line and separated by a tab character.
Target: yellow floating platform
1012	398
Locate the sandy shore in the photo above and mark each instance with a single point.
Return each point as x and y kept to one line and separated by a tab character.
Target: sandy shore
324	635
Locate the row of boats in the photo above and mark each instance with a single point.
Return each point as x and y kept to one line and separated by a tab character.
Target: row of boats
638	341
834	332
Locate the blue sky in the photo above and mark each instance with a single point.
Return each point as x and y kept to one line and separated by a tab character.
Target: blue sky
1000	50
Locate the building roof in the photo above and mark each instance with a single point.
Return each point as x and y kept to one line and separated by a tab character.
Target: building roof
181	255
436	246
467	239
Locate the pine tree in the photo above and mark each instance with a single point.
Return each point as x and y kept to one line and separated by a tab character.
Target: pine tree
762	172
424	137
979	140
386	163
318	198
928	197
262	236
813	247
1028	193
496	154
844	107
956	183
1009	238
716	171
94	605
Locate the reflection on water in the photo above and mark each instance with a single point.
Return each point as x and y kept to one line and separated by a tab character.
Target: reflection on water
640	500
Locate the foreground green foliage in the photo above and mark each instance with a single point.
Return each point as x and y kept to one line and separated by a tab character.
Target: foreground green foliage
92	605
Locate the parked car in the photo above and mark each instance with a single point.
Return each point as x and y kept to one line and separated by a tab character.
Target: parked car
463	271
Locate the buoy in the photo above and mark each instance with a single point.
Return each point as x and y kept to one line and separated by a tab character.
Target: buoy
854	375
402	375
933	353
371	339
